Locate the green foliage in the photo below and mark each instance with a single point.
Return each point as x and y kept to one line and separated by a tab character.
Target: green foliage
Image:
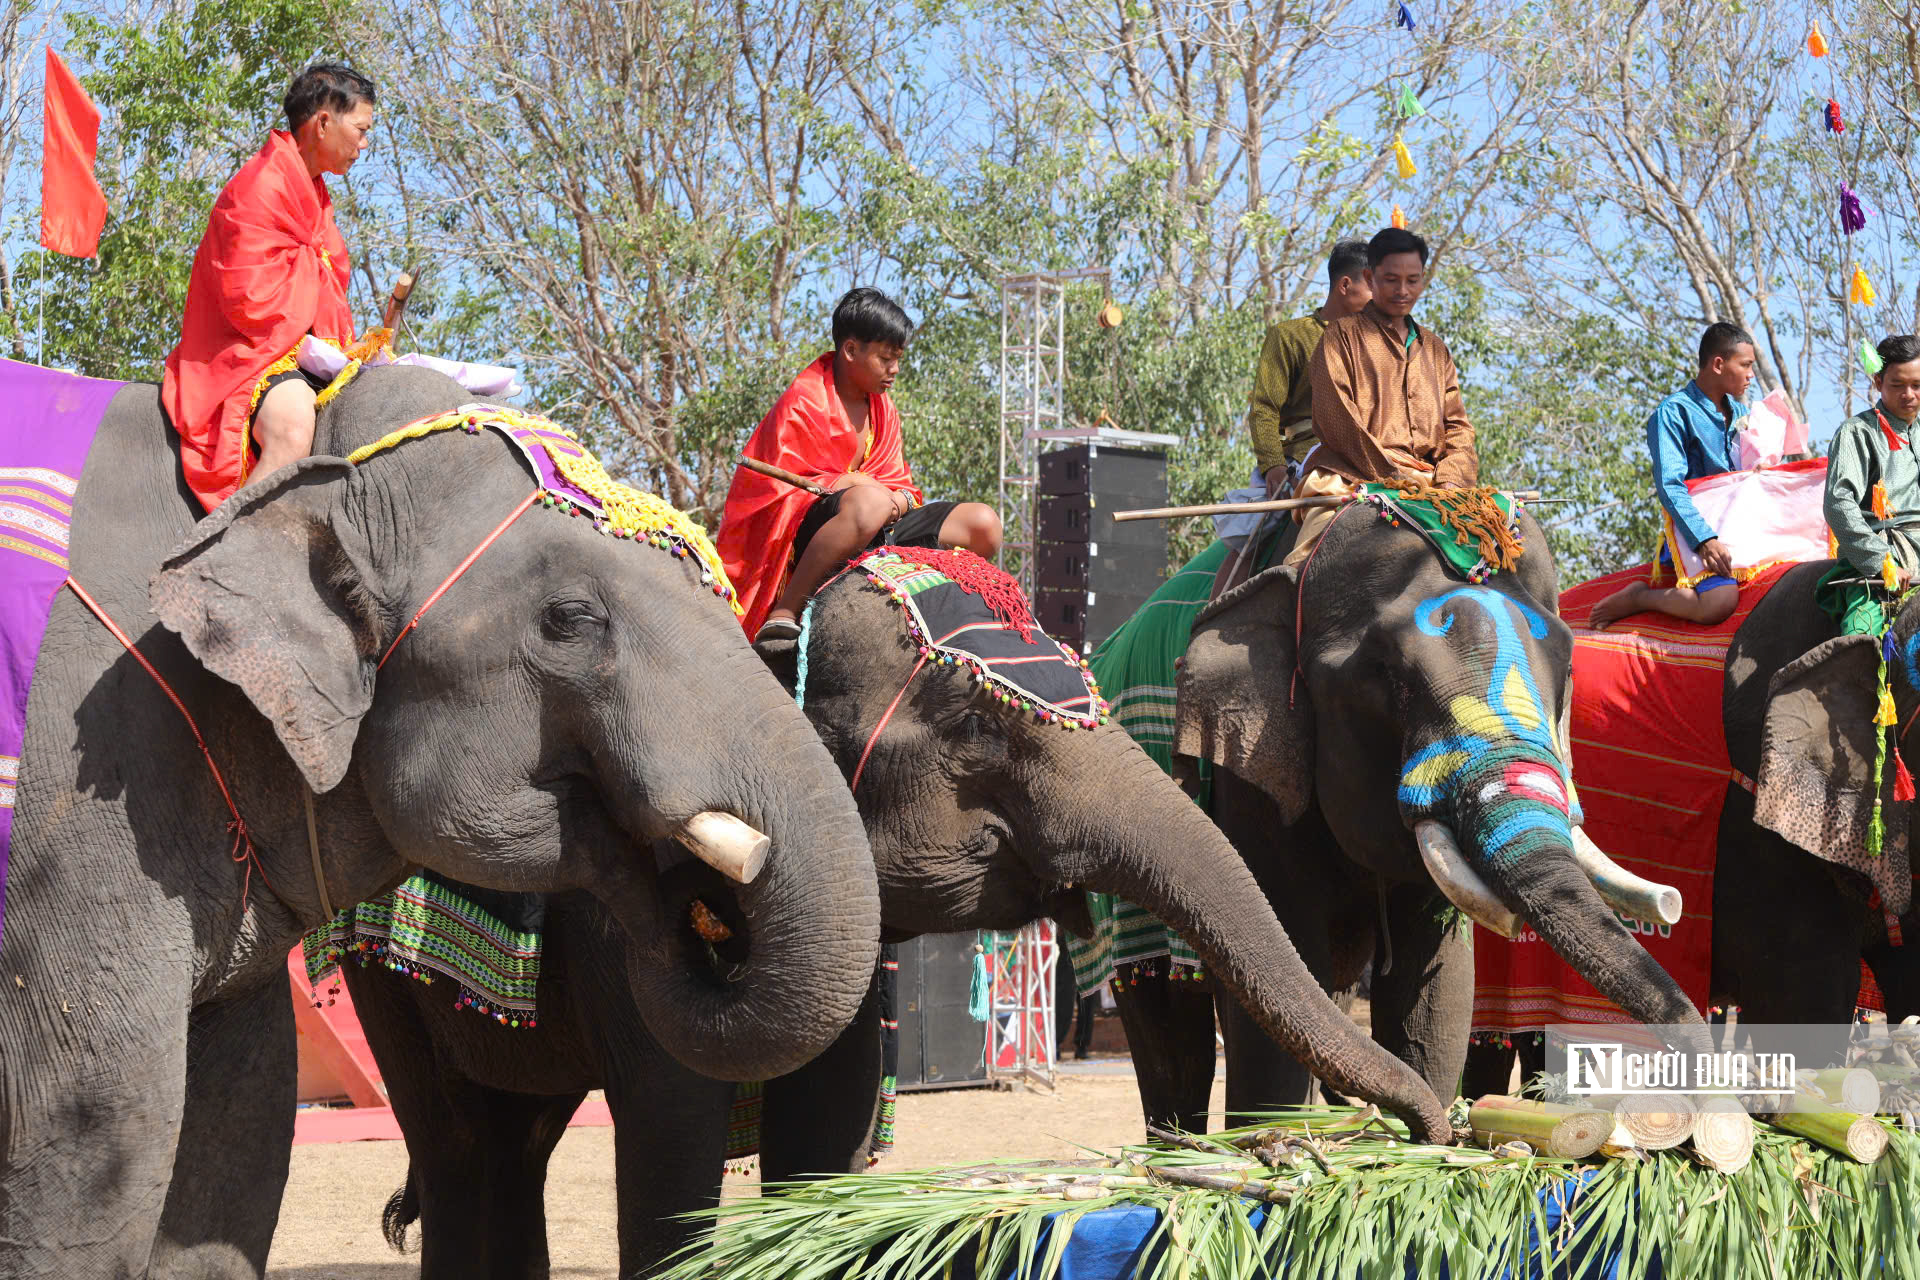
185	96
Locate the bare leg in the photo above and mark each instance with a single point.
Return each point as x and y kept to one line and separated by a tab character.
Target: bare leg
283	426
864	511
1705	608
973	525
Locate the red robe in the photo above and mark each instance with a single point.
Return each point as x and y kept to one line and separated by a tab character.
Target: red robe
270	269
807	433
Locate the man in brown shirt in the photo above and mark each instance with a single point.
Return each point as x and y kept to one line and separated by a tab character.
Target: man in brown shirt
1386	396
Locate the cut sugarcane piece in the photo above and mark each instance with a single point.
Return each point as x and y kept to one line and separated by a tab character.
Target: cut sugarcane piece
1848	1088
1853	1135
1657	1121
1722	1134
1571	1132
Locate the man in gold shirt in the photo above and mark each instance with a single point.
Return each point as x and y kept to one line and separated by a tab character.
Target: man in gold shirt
1386	395
1280	417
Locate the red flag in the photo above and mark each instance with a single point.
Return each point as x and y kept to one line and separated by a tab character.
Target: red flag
72	208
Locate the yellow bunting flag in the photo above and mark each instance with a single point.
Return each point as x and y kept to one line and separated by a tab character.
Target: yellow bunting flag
1399	219
1816	43
1861	290
1403	157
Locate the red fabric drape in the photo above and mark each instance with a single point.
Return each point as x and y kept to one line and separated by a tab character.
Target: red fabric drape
270	269
72	208
807	433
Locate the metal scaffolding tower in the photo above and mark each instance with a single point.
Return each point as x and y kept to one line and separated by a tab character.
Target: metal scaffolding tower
1020	1026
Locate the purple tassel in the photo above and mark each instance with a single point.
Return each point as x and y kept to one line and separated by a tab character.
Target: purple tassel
1404	18
1852	217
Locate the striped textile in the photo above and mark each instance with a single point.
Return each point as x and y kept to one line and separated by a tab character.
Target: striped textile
45	434
1650	761
431	925
1134	668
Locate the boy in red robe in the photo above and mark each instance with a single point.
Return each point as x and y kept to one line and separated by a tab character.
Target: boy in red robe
270	269
836	426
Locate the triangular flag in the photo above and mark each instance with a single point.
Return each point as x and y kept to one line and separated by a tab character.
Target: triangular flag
1409	104
1403	158
72	208
1399	219
1816	43
1862	288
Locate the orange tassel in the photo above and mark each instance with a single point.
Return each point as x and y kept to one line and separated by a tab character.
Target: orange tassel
1399	219
1816	43
1862	288
1880	502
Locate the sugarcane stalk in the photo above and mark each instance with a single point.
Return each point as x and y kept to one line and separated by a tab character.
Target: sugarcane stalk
1558	1130
1252	1188
1853	1135
1722	1136
1848	1088
1657	1121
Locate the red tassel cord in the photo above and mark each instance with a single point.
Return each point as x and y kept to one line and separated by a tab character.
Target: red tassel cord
978	577
1834	123
1902	780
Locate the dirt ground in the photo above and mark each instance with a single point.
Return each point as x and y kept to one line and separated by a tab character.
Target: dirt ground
330	1225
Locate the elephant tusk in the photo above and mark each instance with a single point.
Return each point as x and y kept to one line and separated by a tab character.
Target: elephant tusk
726	844
1625	892
1461	883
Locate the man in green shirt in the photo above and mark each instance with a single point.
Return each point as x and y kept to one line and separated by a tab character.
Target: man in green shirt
1873	492
1280	417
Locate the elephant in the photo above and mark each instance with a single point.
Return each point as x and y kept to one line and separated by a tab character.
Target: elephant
978	817
534	732
1383	743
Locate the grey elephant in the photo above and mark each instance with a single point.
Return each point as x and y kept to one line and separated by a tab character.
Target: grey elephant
573	697
1388	739
979	816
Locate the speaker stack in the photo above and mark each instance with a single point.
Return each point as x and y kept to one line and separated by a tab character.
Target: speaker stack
1090	572
941	1046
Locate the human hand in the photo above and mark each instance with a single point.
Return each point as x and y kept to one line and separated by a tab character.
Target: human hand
1717	559
902	502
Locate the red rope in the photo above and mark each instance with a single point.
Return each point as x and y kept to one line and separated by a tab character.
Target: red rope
877	729
243	850
455	575
976	576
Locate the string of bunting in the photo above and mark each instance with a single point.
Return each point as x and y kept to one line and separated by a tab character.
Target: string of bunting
1852	213
1406	108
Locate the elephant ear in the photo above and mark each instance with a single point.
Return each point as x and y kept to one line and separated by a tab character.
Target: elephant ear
1238	703
263	595
1815	787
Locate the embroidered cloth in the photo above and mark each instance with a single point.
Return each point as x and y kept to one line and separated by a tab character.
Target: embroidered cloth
49	425
1765	517
955	625
1650	758
1476	531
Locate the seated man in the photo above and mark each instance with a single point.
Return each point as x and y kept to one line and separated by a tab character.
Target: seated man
837	427
1280	413
1692	435
1873	491
1386	395
270	269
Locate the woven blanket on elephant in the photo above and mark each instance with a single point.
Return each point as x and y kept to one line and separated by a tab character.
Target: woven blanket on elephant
1650	762
1476	531
1134	666
45	433
485	942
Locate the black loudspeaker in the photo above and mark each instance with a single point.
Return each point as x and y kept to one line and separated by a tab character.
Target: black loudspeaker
1090	571
941	1046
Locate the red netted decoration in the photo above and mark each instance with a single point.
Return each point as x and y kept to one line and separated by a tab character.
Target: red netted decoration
978	577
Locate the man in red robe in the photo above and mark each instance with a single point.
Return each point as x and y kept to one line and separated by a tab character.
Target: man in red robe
270	269
837	427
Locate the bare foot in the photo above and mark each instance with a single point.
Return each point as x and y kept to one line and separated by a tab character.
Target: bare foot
1622	603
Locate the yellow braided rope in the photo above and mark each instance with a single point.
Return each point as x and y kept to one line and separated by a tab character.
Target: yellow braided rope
629	512
1474	517
339	384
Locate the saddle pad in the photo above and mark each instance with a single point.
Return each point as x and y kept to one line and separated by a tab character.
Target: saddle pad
1475	531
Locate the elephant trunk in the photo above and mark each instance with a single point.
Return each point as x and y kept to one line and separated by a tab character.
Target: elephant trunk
1183	870
748	976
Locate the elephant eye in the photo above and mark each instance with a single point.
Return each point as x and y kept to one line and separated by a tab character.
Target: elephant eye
973	726
570	619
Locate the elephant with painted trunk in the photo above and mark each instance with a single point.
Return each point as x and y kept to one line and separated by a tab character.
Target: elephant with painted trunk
1387	739
980	815
532	729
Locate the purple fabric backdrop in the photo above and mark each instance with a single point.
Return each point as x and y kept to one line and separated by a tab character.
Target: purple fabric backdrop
45	431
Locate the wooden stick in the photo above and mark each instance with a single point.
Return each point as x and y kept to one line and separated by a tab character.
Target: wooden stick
397	300
783	475
1271	504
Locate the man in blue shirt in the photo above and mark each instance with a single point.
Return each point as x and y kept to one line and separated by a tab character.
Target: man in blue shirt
1691	435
